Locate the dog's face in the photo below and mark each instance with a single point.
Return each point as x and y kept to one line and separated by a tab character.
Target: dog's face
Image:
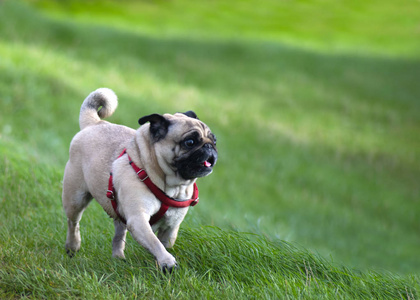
182	143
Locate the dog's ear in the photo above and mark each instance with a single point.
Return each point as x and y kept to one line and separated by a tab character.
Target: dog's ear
191	114
158	125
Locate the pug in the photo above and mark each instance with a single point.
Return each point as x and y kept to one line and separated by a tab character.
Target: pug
144	179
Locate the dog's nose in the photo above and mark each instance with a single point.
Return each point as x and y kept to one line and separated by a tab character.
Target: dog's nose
209	146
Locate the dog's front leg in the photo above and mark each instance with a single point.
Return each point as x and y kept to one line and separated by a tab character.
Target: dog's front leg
141	231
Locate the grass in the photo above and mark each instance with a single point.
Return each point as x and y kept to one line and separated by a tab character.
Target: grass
374	26
220	264
318	142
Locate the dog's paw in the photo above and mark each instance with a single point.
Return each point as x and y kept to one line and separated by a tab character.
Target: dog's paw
118	255
165	269
71	253
168	265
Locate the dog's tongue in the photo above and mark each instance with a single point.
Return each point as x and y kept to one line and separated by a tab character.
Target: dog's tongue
207	164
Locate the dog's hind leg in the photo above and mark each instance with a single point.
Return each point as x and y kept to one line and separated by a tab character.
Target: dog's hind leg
75	200
118	243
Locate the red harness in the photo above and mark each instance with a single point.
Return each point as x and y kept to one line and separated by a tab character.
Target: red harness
165	200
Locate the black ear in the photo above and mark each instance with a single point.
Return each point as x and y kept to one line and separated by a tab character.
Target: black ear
190	114
158	125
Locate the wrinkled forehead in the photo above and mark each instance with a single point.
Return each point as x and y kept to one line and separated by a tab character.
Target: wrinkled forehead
188	123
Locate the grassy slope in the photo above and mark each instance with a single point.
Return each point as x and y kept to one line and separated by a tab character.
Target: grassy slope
221	264
333	139
373	26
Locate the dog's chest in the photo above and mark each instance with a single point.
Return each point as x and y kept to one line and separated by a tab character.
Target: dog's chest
178	192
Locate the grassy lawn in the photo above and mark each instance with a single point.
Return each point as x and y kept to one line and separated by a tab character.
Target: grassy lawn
316	107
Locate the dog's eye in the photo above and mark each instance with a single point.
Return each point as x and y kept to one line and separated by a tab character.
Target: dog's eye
189	143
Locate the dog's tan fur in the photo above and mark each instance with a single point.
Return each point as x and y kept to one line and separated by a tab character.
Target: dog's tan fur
93	154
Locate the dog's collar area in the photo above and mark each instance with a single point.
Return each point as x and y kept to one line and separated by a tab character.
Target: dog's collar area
165	200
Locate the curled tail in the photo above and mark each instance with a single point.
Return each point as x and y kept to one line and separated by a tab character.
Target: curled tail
98	105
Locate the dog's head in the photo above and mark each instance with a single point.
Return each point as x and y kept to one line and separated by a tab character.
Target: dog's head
183	143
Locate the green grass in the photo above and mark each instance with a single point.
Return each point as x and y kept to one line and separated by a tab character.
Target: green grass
373	26
317	116
215	263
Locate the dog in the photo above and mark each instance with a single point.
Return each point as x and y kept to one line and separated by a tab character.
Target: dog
169	151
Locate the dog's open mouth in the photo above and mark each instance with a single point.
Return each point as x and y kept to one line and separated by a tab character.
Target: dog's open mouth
199	164
209	162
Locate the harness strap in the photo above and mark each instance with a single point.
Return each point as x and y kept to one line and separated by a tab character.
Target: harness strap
165	200
111	194
157	216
